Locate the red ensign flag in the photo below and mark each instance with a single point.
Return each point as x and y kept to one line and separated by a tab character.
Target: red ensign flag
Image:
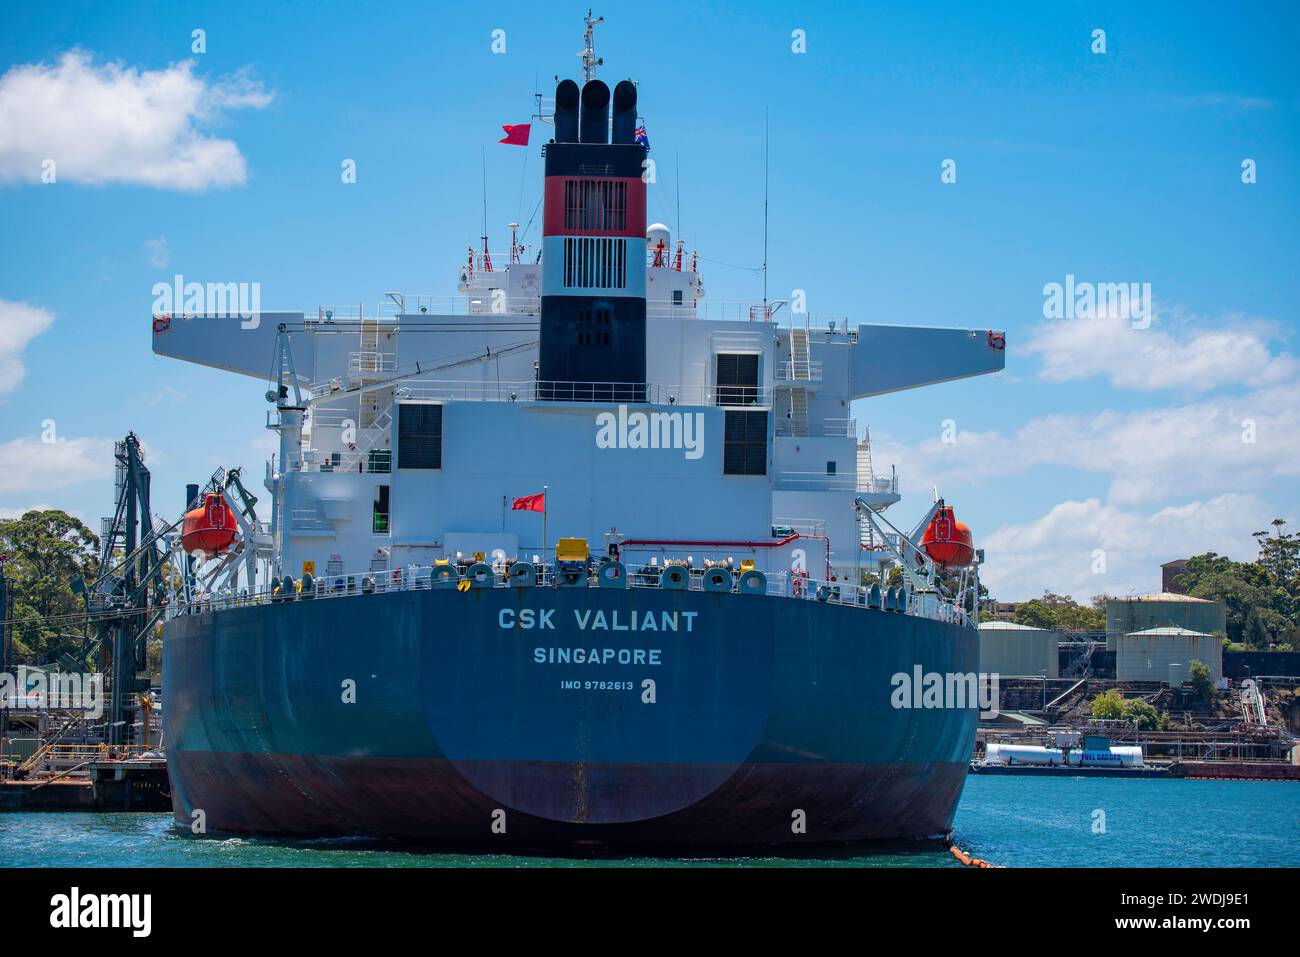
530	503
516	135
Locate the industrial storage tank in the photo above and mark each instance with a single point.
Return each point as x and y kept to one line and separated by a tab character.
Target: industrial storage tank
1150	655
1166	610
1009	649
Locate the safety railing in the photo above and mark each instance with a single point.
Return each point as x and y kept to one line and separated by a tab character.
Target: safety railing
801	372
535	391
784	584
816	481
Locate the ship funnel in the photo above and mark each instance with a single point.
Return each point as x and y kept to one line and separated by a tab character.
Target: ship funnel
566	112
595	112
625	112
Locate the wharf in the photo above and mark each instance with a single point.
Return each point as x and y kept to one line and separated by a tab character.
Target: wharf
138	784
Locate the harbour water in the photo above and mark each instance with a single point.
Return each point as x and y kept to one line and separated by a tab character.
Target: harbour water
1014	821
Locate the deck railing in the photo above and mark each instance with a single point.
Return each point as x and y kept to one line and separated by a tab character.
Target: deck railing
425	577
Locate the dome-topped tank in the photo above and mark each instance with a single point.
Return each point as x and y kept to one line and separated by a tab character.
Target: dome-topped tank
948	541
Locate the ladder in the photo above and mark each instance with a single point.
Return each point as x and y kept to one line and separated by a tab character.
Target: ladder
798	411
800	364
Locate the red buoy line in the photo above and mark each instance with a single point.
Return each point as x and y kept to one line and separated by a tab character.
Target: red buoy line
967	860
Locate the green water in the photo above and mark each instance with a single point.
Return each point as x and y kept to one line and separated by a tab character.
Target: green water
1016	821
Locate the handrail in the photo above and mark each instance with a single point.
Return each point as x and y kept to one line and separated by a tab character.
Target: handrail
781	584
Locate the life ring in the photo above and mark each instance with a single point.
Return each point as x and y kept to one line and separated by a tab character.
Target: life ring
997	340
162	323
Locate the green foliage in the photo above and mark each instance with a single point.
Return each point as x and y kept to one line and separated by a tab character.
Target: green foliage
1062	613
1111	706
46	551
1262	597
1202	679
1144	713
1108	706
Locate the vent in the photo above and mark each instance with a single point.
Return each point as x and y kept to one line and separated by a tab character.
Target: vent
419	436
595	263
744	445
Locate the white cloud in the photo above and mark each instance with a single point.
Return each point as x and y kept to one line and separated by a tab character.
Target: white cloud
158	252
20	323
115	124
1148	455
29	465
1191	357
1057	552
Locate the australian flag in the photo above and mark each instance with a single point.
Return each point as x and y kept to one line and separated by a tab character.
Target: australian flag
641	138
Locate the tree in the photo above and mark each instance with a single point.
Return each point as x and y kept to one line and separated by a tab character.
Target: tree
46	550
1142	713
1202	679
1279	555
1061	613
1242	587
1108	706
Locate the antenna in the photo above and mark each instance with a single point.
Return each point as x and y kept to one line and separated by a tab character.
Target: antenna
766	151
487	256
589	59
677	177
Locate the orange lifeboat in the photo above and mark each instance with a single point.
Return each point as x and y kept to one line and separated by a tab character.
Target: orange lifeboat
209	529
948	541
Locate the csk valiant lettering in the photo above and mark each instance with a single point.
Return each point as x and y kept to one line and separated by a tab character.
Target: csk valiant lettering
528	619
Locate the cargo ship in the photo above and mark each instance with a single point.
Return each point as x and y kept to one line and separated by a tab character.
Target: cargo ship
576	557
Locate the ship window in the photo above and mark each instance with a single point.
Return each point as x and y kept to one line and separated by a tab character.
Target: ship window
419	436
737	378
677	297
379	519
830	468
744	444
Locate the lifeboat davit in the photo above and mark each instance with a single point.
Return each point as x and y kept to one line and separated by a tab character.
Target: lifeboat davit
947	541
209	529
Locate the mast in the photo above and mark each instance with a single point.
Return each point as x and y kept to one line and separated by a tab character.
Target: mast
589	59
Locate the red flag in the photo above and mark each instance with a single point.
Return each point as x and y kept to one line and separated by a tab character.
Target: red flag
516	135
530	503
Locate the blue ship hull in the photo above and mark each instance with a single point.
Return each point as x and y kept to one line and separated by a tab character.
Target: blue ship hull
546	717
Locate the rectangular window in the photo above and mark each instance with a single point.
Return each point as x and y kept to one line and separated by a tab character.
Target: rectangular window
596	205
419	436
744	444
737	378
595	263
379	517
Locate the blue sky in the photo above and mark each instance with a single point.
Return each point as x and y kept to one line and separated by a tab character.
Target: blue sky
1122	166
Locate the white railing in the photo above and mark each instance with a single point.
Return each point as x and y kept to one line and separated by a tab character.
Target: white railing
371	363
816	482
422	578
827	428
804	370
534	391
